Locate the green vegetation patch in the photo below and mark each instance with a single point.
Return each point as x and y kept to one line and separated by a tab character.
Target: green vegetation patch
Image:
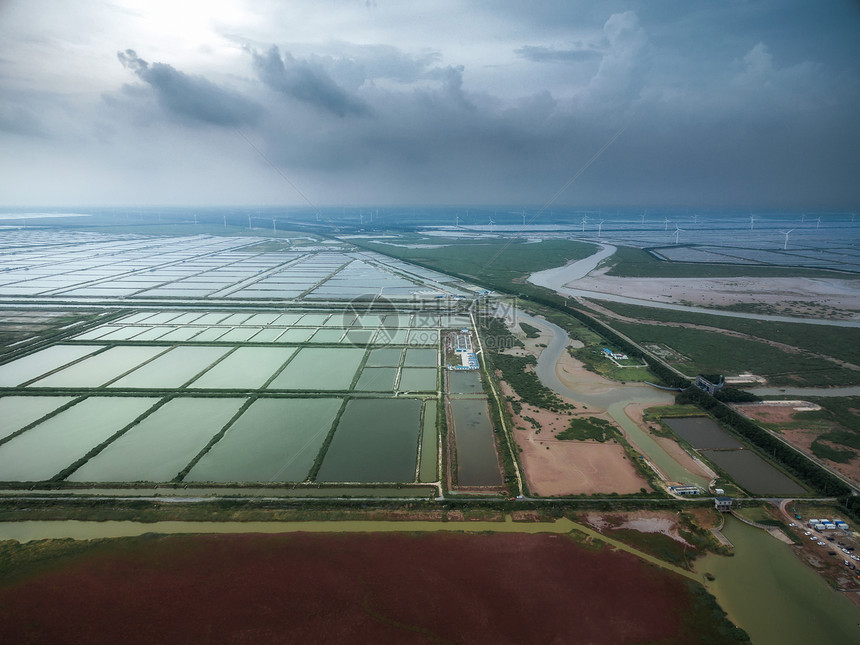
585	428
840	342
530	332
500	263
709	352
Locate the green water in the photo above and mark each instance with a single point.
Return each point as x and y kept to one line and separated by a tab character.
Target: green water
29	367
320	369
98	370
154	333
417	379
421	358
273	440
238	335
423	337
103	330
295	335
464	382
754	473
313	320
429	452
123	333
263	319
775	597
327	336
247	367
162	444
702	433
376	379
266	335
375	440
19	411
477	464
43	451
652	450
391	336
384	357
180	334
208	335
172	369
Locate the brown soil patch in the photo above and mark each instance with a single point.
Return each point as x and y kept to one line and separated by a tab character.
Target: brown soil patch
802	437
333	588
555	467
664	522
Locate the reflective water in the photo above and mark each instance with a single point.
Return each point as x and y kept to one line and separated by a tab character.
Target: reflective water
477	463
376	440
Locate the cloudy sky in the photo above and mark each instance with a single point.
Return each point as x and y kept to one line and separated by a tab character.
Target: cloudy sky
736	104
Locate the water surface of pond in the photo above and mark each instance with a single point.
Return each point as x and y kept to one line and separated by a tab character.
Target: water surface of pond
161	445
477	463
29	367
101	368
375	440
19	411
702	433
273	440
44	450
754	473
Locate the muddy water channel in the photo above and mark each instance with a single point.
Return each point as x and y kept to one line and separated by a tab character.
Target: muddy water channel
613	400
776	598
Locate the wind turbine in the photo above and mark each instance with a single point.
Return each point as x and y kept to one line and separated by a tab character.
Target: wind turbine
752	221
643	216
666	224
457	219
818	222
274	226
249	222
524	218
584	220
195	219
600	227
677	233
695	218
491	224
786	233
225	221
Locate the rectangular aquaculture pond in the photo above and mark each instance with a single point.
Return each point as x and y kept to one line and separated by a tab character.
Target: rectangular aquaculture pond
702	433
246	368
754	473
376	440
160	446
46	449
101	368
173	369
320	369
29	367
477	464
274	440
17	412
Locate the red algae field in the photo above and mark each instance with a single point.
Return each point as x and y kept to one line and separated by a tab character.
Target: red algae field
336	588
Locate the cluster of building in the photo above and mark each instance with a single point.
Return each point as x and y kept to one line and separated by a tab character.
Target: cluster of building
463	349
618	356
827	525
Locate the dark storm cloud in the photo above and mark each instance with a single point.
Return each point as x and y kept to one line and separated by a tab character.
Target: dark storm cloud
192	97
305	82
539	54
